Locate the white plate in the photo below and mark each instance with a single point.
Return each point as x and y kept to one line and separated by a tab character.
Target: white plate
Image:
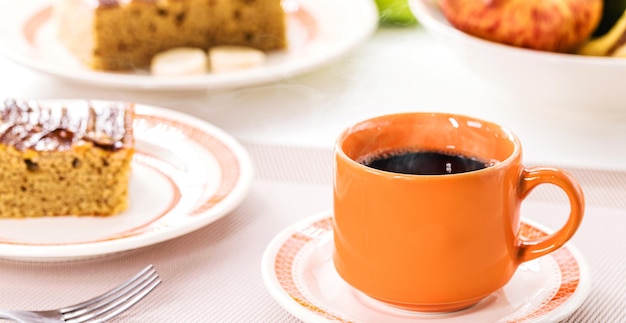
299	273
186	173
319	31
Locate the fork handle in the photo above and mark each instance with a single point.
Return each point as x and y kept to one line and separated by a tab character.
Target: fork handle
24	317
9	315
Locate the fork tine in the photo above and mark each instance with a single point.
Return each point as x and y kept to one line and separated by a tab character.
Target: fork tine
113	300
127	304
109	293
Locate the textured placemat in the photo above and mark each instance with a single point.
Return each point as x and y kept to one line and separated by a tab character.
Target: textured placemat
214	275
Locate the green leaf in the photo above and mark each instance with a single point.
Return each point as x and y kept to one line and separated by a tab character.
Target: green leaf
396	12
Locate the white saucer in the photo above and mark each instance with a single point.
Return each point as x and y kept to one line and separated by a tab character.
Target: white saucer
186	173
299	273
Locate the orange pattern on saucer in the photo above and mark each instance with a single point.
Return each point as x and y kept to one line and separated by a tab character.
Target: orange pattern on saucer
284	263
570	276
288	252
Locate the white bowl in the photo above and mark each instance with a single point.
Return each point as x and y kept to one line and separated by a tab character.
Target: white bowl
562	83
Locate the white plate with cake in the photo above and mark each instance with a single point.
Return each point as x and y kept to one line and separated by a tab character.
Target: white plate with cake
308	34
182	174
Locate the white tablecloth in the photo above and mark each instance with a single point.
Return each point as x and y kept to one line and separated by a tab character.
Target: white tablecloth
214	273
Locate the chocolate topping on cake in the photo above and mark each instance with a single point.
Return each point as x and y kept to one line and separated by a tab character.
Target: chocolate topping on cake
57	126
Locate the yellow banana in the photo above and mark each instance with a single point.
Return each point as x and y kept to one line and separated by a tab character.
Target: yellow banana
605	45
179	61
233	58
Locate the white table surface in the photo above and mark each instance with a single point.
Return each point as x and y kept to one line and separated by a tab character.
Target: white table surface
214	273
398	69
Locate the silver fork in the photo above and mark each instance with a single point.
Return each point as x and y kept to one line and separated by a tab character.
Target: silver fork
99	309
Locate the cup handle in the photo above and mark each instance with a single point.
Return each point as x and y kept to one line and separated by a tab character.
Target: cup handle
531	178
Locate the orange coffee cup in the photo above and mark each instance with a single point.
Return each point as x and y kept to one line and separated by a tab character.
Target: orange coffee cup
436	243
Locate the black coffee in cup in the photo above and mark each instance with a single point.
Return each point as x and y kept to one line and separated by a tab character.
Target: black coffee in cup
425	163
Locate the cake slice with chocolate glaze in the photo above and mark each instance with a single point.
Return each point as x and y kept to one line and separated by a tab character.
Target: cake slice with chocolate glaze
64	158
